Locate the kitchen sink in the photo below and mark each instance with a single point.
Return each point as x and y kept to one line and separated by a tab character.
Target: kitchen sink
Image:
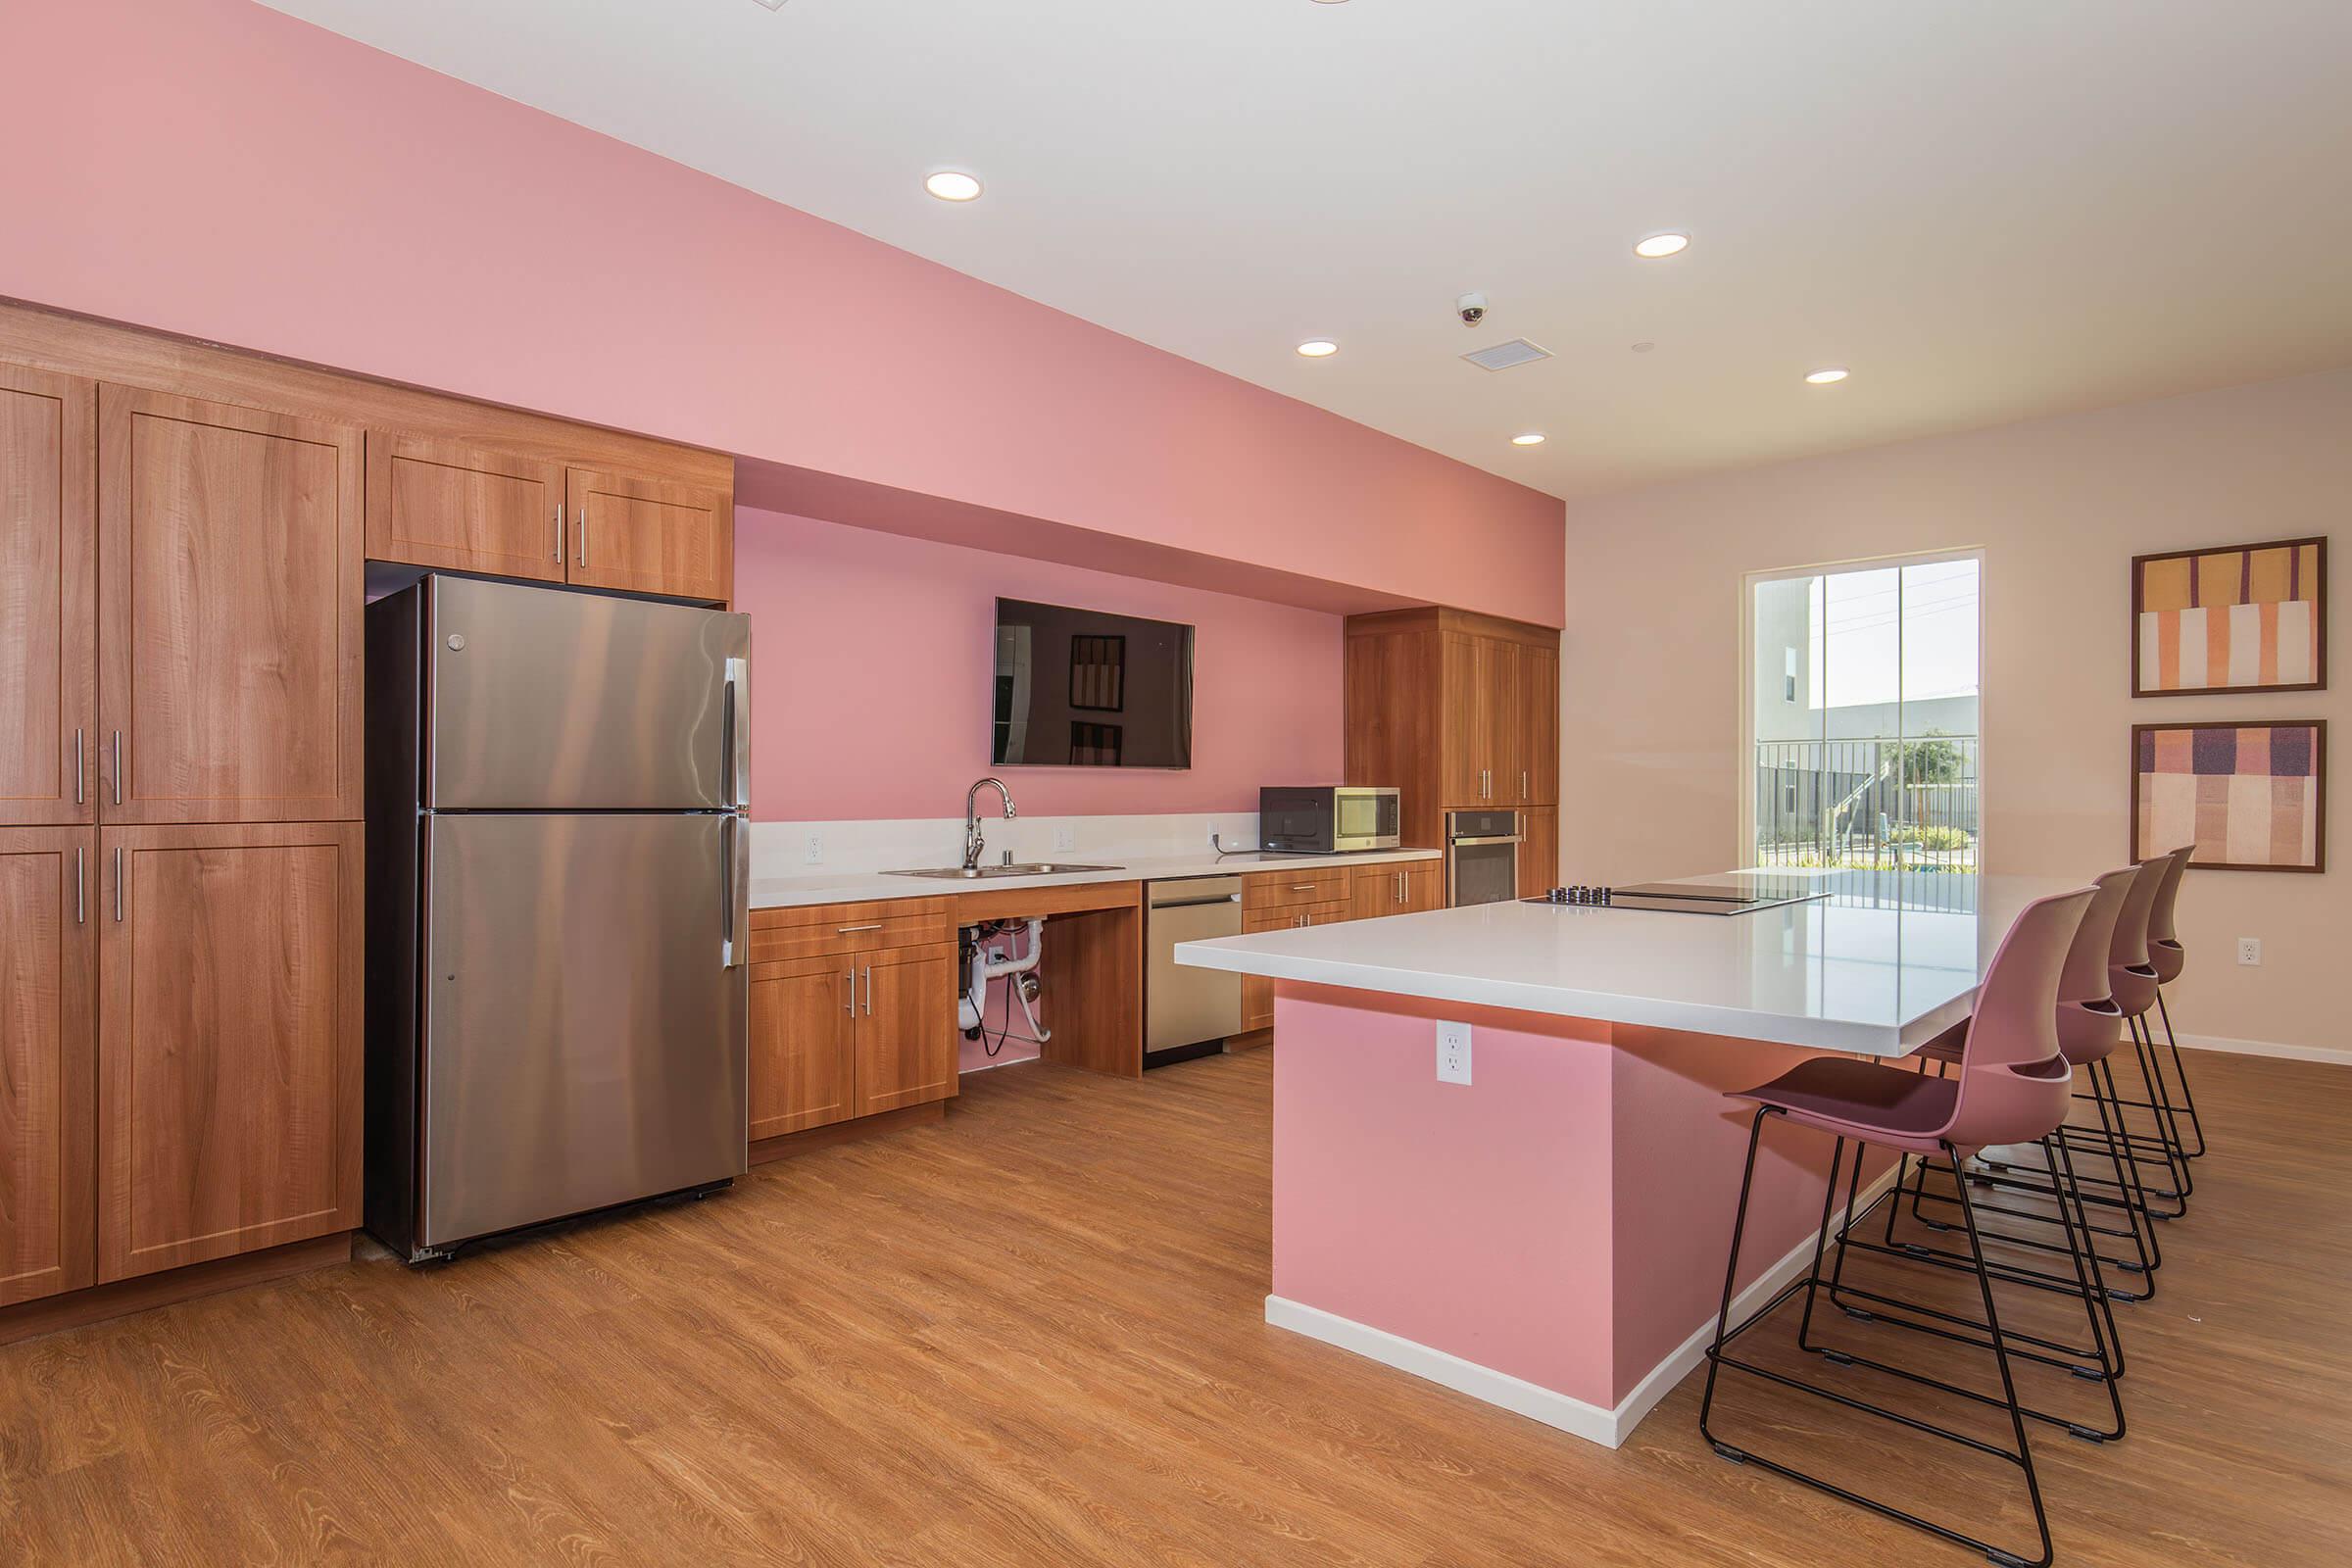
958	874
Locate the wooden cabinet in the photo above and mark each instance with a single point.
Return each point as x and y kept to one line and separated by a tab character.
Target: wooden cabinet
229	601
48	566
1400	888
1538	850
434	503
48	1049
906	1050
1459	711
853	1011
650	536
228	1040
1538	689
803	1045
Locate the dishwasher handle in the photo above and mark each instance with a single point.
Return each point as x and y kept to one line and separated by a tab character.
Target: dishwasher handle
1194	903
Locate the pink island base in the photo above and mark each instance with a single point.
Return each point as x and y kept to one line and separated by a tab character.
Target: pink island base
1550	1237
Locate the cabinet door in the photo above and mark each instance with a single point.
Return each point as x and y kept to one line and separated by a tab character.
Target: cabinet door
804	1045
228	610
470	509
48	1048
1538	778
228	1041
906	1041
650	536
1258	992
1468	678
1373	891
1538	850
48	562
1503	755
1424	886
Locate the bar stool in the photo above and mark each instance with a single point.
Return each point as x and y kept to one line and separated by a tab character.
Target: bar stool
2133	986
2013	1087
2088	1030
2167	957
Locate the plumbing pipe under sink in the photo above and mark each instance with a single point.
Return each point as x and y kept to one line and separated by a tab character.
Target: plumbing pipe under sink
990	953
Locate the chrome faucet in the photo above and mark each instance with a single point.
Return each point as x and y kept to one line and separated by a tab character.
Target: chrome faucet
973	842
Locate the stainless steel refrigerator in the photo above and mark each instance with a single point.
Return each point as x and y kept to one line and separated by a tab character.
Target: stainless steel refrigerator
558	886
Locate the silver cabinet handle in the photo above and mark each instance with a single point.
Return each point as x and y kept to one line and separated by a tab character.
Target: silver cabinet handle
851	1007
845	930
559	534
1401	887
869	991
82	913
77	770
1525	792
118	770
1303	887
118	884
583	516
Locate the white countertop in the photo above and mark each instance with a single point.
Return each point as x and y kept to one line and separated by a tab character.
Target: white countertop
1882	964
858	887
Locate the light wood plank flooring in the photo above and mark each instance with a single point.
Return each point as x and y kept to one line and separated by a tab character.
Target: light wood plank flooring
1032	1335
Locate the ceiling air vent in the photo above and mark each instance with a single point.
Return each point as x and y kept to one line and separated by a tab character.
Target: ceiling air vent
1503	356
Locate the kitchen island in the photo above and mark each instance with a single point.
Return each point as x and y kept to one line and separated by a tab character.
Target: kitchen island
1550	1235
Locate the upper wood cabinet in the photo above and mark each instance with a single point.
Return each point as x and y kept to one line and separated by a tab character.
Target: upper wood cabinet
48	1047
230	608
434	503
230	1039
650	536
48	566
1459	711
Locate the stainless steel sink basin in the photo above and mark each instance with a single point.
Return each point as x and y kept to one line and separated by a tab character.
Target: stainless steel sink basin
958	874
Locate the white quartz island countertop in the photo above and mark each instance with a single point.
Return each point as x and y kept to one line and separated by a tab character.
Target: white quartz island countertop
858	887
1880	964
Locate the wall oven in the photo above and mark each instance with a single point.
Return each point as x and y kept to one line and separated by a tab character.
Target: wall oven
1481	857
1328	818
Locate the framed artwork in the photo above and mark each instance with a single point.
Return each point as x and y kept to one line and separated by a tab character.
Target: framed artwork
2251	797
2243	618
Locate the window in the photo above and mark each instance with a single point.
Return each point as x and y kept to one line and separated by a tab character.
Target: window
1866	735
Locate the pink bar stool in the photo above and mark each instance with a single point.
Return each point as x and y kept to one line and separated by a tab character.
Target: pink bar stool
2163	1182
2168	956
2013	1087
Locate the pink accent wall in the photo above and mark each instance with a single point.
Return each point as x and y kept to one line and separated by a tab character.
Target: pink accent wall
1563	1218
214	168
873	657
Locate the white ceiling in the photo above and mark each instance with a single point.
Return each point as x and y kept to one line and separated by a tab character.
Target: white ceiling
1989	209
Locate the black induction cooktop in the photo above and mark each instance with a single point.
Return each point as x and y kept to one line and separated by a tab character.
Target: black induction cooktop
1732	893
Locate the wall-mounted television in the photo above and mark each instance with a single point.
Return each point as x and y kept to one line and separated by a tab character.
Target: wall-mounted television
1082	688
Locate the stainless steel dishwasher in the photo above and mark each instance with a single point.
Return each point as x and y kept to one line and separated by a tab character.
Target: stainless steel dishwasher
1188	1012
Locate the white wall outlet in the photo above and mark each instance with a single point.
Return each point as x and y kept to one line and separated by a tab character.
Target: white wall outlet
1066	837
1454	1053
812	848
2249	950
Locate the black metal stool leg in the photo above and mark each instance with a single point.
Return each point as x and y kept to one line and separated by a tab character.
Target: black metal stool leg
2189	1101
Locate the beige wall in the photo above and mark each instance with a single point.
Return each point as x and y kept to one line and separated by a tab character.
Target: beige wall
1650	668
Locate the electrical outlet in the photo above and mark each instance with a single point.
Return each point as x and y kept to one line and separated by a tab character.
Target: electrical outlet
812	850
2249	950
1454	1053
1066	837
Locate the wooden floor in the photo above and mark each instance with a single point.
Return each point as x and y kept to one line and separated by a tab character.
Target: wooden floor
1032	1335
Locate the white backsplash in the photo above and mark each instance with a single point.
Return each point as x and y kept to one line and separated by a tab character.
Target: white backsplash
781	848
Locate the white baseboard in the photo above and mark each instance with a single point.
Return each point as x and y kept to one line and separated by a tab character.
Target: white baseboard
1591	1422
2340	1055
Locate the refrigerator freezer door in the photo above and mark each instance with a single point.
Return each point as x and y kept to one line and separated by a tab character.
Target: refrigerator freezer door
585	1039
543	699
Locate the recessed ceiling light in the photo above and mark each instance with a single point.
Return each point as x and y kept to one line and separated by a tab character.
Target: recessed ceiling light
952	185
1670	243
1826	375
1528	438
1318	348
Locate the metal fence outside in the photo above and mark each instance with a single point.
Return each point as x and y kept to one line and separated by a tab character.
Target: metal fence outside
1886	802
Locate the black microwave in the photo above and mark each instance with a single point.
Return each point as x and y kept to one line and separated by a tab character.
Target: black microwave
1328	818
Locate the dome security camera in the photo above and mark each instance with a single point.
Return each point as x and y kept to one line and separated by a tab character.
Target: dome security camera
1472	307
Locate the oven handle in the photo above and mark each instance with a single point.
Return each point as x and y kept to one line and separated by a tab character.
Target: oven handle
1507	838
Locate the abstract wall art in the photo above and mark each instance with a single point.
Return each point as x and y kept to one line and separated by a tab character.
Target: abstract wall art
2251	797
2241	618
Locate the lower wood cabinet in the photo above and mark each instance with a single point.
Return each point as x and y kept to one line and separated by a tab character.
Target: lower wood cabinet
228	1040
1404	887
865	1023
1538	851
48	1055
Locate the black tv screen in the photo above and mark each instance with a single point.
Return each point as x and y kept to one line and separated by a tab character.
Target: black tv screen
1079	688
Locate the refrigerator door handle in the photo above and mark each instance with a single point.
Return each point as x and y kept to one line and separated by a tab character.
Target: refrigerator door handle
738	732
735	888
